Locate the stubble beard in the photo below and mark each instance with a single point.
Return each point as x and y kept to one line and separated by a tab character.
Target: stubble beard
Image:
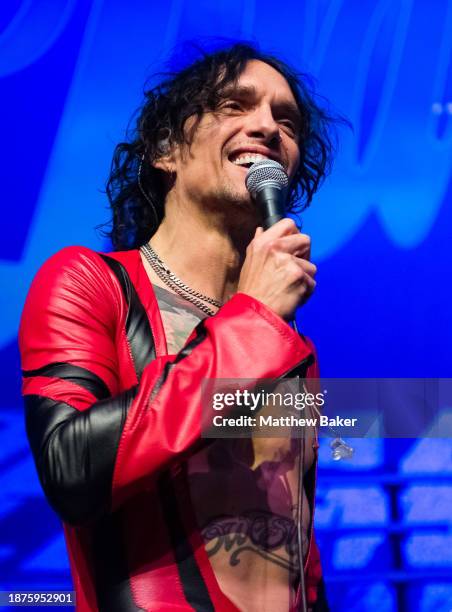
230	206
238	202
238	212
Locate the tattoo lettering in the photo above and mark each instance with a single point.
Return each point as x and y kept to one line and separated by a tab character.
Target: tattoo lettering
271	536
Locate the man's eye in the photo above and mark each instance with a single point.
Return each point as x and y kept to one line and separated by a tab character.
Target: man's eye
232	105
288	126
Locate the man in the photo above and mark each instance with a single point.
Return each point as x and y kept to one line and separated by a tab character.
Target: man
115	348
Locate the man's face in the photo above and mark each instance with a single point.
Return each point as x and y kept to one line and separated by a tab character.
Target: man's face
257	119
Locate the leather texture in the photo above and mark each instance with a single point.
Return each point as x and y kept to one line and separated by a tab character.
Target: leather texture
111	417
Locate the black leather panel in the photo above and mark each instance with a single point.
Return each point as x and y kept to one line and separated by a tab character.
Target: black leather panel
138	330
110	566
301	369
201	334
80	376
75	452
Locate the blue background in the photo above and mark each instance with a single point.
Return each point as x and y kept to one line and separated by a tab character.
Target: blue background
72	72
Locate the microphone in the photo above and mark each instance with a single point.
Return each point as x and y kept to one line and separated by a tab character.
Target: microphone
266	181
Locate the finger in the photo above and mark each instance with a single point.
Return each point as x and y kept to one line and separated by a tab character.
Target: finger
295	244
299	269
307	266
306	272
305	252
309	283
284	227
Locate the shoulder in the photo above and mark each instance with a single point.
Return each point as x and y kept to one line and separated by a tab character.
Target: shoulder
81	263
77	273
71	312
75	277
77	258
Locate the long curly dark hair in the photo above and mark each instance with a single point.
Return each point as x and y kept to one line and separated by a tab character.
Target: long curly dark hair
136	190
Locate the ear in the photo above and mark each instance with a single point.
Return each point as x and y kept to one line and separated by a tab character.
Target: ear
166	159
165	163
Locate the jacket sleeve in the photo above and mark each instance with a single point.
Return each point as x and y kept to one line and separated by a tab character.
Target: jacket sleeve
98	435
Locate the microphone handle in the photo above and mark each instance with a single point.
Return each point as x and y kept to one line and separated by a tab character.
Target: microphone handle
271	202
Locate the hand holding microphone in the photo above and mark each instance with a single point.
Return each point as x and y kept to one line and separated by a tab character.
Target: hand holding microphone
276	270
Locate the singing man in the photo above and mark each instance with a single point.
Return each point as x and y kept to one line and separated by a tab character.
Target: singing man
115	348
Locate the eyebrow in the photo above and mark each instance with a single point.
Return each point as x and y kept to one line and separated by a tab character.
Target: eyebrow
243	91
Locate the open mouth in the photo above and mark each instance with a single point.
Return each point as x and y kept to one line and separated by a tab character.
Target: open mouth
246	160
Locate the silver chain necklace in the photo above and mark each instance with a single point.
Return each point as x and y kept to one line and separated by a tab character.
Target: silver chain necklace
172	281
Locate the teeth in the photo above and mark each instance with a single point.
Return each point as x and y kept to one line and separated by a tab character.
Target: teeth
248	159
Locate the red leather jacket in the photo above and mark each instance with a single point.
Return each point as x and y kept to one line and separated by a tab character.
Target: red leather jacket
111	417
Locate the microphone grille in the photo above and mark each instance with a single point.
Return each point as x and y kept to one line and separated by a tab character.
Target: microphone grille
266	173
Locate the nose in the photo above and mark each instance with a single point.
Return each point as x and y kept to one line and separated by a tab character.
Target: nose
262	125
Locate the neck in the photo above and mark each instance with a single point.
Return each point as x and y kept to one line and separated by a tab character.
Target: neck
204	251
